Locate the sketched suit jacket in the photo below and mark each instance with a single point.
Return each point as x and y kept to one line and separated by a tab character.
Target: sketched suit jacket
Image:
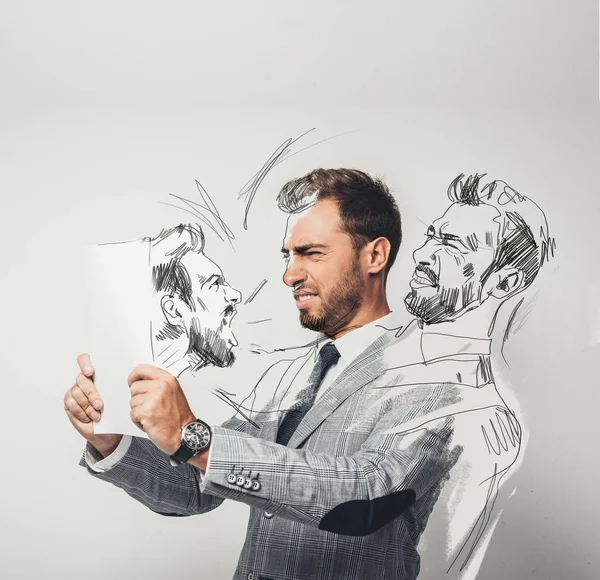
350	495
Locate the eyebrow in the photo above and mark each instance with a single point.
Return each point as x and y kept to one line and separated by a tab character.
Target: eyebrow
304	248
452	238
204	280
445	237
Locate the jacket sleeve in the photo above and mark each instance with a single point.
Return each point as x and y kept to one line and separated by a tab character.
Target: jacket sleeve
145	473
352	495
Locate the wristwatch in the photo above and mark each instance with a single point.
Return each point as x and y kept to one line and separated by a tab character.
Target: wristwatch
195	438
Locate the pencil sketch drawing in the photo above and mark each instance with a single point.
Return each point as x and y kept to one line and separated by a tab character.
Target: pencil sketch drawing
193	306
483	252
158	300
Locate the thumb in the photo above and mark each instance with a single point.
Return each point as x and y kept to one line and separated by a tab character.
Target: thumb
85	364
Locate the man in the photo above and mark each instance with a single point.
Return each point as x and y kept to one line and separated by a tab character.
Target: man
490	243
487	248
341	468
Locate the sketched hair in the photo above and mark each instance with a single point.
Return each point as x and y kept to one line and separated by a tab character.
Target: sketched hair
367	208
170	275
523	239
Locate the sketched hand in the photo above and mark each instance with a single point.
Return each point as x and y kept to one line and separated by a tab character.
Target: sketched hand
84	405
158	406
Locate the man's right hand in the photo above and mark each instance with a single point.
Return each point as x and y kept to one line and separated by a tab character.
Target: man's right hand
83	406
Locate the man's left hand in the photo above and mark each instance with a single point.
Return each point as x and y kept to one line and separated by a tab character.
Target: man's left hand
158	406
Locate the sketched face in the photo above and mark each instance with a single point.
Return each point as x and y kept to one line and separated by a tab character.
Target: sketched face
208	322
322	268
451	265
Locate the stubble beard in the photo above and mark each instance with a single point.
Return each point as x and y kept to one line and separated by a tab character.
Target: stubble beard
338	307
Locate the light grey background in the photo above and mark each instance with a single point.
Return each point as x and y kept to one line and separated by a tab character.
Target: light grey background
105	109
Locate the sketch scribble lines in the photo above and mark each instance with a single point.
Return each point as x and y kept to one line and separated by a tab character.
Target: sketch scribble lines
206	211
281	153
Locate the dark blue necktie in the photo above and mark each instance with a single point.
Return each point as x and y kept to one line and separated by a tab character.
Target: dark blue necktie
328	356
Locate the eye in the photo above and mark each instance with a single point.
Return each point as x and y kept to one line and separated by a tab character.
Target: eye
430	232
312	254
452	249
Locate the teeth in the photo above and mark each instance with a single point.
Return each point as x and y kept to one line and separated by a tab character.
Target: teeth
305	297
422	279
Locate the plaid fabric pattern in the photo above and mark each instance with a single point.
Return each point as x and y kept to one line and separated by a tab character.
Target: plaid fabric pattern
328	356
379	429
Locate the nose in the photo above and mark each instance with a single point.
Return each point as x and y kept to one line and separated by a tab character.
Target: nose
232	295
294	273
426	254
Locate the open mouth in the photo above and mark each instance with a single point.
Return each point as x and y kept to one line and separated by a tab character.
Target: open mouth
423	277
228	315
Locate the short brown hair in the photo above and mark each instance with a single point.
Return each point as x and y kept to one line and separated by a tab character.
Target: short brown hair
367	208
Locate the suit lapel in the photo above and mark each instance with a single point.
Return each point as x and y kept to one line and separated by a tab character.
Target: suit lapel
362	370
272	415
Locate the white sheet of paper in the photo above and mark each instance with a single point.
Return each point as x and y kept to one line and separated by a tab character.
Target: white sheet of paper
119	290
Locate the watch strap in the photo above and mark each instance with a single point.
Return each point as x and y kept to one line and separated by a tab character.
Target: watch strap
182	455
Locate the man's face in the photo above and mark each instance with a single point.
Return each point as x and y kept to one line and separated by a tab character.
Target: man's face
323	268
209	323
460	247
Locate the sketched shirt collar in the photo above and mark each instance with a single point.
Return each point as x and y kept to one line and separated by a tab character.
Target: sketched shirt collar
354	342
435	345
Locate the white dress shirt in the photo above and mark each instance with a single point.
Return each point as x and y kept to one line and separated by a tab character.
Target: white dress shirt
349	346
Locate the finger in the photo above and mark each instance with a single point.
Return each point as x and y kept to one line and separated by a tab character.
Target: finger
145	386
72	417
137	421
84	404
85	364
73	407
90	391
137	400
147	372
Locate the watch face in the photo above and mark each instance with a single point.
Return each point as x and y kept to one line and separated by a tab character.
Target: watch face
196	436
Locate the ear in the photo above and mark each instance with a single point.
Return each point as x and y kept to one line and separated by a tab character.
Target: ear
172	309
377	254
505	283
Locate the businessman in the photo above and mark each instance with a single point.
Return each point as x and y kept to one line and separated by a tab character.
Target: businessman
344	465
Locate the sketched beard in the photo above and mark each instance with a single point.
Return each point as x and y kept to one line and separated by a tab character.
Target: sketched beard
444	305
210	346
432	310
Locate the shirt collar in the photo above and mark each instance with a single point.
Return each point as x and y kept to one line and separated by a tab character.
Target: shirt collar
354	342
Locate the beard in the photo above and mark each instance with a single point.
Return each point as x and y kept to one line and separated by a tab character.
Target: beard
339	304
445	305
208	347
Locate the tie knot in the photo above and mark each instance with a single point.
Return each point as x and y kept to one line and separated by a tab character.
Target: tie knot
329	354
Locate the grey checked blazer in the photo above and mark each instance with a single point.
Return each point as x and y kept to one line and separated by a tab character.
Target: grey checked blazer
350	495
